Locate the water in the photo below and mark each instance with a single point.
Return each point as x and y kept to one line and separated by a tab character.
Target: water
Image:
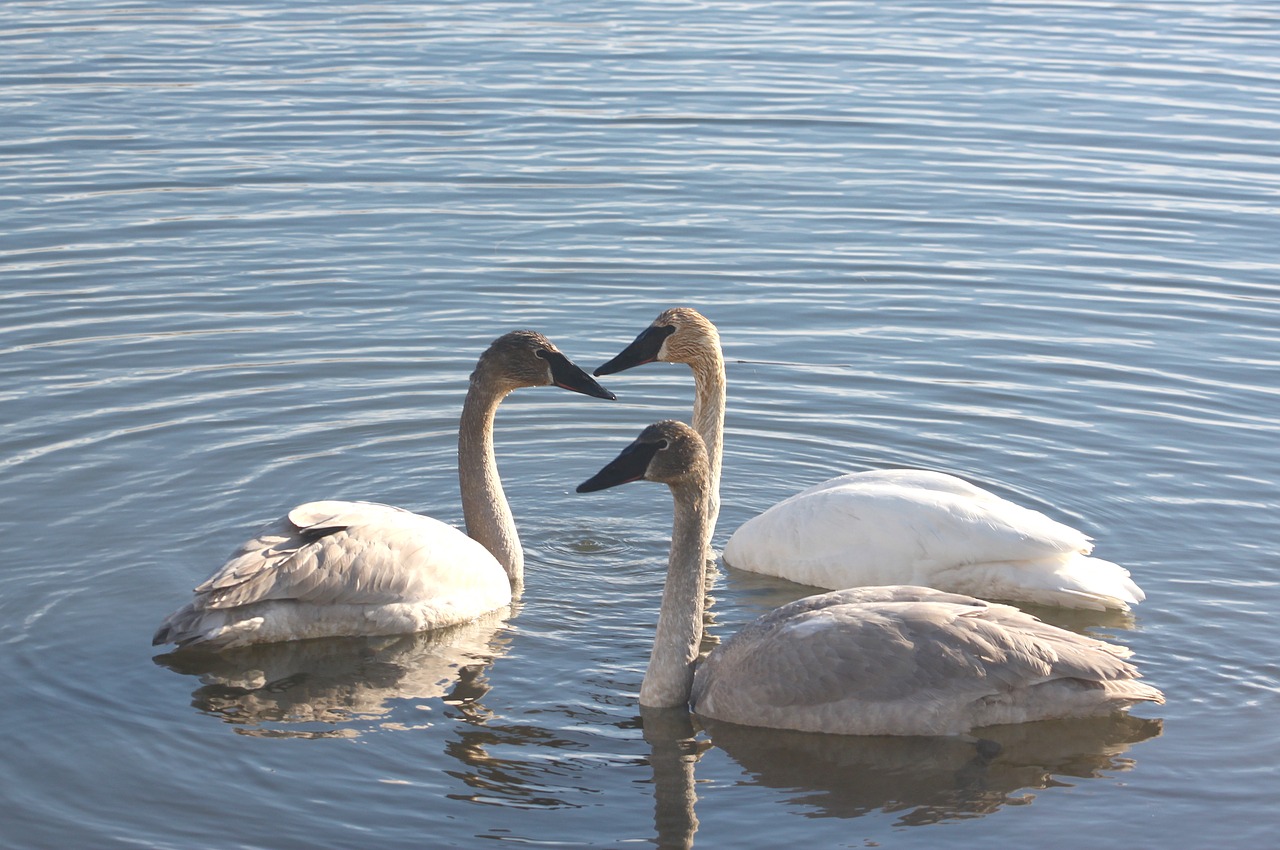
252	251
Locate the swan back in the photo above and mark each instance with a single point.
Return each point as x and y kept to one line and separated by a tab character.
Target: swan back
927	528
909	661
334	568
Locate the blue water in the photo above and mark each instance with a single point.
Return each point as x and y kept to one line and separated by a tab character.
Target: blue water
251	252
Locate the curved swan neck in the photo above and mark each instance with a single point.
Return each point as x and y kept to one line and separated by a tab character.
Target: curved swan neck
669	678
708	410
484	504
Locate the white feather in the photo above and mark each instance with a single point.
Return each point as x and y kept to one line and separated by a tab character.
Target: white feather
378	570
927	528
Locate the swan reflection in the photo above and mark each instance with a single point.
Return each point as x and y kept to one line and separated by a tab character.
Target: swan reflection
322	688
929	780
922	780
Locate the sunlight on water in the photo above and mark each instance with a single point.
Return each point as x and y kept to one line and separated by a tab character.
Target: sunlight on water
253	251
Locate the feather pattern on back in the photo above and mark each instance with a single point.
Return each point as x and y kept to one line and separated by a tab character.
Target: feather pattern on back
342	568
909	660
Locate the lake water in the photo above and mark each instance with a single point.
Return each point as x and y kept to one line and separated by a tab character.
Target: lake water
250	254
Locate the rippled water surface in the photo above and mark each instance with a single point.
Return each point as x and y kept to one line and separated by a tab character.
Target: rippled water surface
251	252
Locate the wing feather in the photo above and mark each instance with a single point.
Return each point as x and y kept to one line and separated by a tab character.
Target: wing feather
344	552
896	652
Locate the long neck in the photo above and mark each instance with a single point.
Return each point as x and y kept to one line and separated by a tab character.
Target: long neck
669	679
708	420
484	505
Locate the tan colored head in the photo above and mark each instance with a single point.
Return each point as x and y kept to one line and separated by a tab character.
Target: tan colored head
678	335
693	337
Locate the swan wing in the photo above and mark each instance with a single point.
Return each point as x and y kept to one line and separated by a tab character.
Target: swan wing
333	552
903	665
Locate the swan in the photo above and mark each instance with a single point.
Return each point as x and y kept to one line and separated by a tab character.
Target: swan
892	526
334	568
893	660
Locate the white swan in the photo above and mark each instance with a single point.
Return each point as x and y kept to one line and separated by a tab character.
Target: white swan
895	660
898	526
334	568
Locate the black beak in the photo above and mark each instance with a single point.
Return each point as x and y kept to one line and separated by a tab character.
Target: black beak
628	466
569	376
644	349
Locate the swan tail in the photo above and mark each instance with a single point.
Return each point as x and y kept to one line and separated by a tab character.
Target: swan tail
1078	581
1127	692
205	628
1094	578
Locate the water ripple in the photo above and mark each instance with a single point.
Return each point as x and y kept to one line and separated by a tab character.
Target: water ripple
254	249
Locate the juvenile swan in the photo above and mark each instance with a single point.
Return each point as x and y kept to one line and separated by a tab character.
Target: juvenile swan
890	526
894	660
359	568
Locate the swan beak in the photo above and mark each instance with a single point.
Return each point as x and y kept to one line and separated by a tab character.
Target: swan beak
628	466
568	375
644	349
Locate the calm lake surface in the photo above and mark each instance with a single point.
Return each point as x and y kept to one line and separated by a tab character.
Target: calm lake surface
251	251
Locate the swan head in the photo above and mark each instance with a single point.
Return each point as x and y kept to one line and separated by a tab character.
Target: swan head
678	335
668	452
528	359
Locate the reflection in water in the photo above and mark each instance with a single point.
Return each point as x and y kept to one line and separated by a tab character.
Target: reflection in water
1099	624
549	777
532	765
929	780
673	752
334	682
926	780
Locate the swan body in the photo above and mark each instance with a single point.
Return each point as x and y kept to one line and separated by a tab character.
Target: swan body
927	528
889	660
338	568
903	660
898	526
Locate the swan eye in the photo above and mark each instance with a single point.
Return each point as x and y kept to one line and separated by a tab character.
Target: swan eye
663	444
541	353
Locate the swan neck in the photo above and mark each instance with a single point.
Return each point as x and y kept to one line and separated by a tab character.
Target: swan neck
709	402
669	678
484	504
